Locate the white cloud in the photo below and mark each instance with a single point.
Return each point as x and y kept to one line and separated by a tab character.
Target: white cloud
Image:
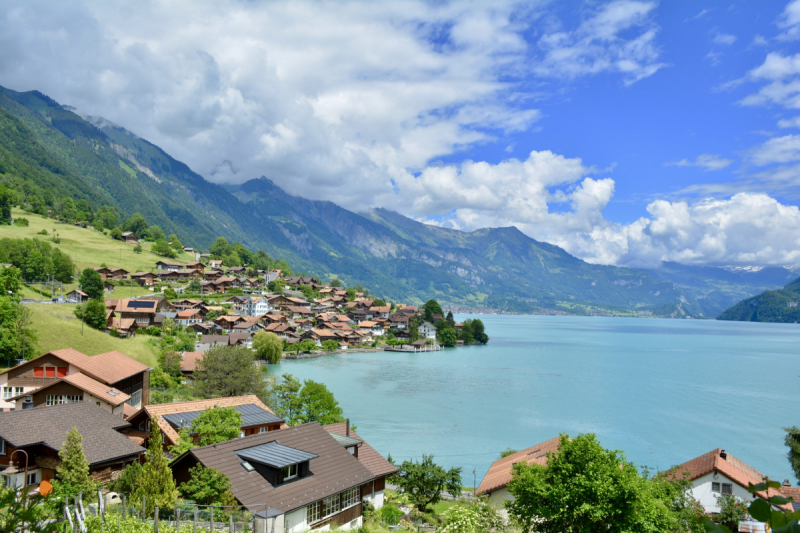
598	45
759	40
724	38
777	150
705	161
783	74
790	21
793	122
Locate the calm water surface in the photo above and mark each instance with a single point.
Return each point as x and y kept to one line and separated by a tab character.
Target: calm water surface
664	391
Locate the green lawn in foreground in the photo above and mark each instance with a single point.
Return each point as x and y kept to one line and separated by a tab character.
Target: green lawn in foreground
56	331
87	247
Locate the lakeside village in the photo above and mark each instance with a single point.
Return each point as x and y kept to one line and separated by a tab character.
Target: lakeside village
98	444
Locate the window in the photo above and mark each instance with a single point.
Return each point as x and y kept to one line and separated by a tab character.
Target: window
241	434
727	488
312	512
714	486
350	497
52	399
330	506
8	392
262	429
75	399
18	391
32	478
2	447
289	472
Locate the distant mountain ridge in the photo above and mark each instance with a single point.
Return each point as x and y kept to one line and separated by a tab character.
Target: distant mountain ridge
781	305
47	147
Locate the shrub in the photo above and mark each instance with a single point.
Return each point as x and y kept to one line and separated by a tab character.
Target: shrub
43	232
21	222
390	514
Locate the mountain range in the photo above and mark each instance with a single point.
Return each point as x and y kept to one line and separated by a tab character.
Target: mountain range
782	305
48	149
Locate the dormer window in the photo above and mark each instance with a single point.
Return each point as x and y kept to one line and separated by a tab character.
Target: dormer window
289	472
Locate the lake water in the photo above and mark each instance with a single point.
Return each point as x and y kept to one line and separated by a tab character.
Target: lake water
663	391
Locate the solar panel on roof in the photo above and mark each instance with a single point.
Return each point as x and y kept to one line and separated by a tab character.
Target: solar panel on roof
252	415
141	305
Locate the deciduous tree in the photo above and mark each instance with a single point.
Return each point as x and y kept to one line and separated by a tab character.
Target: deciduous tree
425	481
206	486
92	283
217	424
268	346
93	313
228	371
318	404
792	441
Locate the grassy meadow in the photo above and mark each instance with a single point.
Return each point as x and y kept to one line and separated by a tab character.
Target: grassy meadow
57	328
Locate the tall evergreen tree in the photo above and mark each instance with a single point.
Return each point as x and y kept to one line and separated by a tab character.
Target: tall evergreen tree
155	483
72	476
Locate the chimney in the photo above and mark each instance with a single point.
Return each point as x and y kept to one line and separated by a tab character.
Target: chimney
723	454
347	428
786	483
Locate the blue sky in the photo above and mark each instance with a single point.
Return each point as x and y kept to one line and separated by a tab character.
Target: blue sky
627	132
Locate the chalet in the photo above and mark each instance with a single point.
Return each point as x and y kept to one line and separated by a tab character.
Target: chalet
215	263
212	275
187	303
718	473
241	338
205	309
75	388
103	271
142	311
77	296
181	274
228	321
373	327
239	303
145	279
236	270
117	273
309	478
196	265
168	265
368	456
207	328
189	362
188	249
125	327
381	312
258	306
300	280
398	321
284	331
130	238
207	342
189	317
358	315
249	324
42	432
172	417
321	335
298	311
114	369
108	287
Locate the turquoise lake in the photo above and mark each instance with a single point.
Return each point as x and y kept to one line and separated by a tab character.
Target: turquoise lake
663	391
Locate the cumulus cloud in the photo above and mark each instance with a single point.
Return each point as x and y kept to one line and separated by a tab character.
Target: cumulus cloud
790	21
707	162
599	45
783	76
777	150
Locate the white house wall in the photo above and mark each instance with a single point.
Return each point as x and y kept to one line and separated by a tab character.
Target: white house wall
497	499
295	522
701	490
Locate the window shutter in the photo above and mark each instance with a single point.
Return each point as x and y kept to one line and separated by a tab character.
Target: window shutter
38	372
50	371
62	371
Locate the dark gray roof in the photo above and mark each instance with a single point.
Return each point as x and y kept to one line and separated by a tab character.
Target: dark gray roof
252	415
333	471
49	426
275	454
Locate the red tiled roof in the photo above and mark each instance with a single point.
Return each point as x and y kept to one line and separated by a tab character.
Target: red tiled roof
189	362
499	474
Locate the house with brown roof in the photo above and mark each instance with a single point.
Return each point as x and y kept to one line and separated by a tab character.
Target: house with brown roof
130	237
75	388
368	456
42	432
189	362
172	417
168	265
189	317
77	296
298	478
717	473
143	311
113	369
145	279
117	273
495	482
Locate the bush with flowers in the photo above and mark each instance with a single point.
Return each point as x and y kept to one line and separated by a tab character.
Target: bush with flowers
471	517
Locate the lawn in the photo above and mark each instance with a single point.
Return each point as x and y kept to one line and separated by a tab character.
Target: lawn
56	329
87	247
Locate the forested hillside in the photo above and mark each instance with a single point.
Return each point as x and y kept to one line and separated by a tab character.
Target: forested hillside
57	160
770	306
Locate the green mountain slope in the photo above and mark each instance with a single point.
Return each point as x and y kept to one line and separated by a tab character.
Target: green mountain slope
48	150
770	306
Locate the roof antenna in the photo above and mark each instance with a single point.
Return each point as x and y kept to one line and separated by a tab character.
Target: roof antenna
347	428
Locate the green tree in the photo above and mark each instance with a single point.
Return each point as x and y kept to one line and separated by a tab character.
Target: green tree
220	248
136	224
450	318
107	217
286	397
218	424
330	345
170	362
68	211
792	441
206	486
162	248
116	234
228	371
175	243
478	331
92	283
72	475
585	487
155	483
432	307
268	346
194	286
137	249
507	452
317	403
62	266
22	511
127	481
335	282
93	313
448	337
215	314
425	481
6	200
413	329
11	283
185	443
155	233
17	334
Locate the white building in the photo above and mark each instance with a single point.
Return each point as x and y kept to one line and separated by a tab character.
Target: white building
428	330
